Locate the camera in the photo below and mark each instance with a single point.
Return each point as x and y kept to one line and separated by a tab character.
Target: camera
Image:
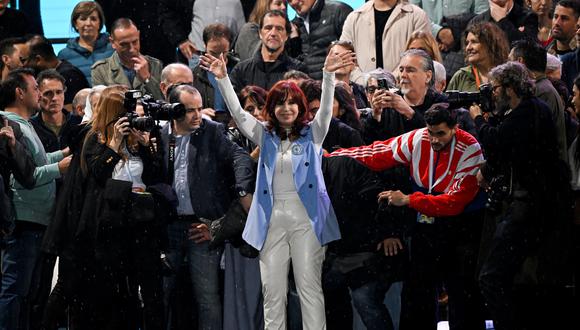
457	99
154	110
499	191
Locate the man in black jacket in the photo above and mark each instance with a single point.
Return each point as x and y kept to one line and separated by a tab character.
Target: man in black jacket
394	113
526	188
320	23
269	63
202	166
54	125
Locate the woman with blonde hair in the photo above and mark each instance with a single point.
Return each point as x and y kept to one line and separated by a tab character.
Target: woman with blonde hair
425	41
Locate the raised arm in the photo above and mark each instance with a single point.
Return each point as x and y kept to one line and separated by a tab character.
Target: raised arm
322	119
248	124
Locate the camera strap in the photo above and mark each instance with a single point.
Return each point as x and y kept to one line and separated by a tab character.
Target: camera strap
171	159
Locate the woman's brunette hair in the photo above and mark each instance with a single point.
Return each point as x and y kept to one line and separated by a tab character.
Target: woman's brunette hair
346	106
84	9
492	38
255	94
278	94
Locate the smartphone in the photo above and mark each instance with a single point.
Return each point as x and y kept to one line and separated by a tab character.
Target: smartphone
382	83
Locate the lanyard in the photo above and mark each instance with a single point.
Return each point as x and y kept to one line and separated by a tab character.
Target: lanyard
477	80
432	166
171	156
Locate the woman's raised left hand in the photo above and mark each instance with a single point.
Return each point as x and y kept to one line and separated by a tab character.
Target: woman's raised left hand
215	65
334	61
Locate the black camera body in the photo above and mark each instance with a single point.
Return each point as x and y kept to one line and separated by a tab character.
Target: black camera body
457	99
499	192
154	110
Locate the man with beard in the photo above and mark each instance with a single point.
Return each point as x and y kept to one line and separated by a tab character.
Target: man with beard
395	113
10	57
563	27
443	161
269	63
571	62
526	186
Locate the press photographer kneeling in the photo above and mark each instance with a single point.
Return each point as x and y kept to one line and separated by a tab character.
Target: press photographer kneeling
121	163
524	183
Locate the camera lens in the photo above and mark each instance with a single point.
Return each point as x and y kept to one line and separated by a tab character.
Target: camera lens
145	124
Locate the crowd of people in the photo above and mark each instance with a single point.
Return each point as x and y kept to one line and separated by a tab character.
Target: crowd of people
215	165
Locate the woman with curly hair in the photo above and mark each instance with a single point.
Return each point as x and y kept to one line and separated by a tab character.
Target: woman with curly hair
486	46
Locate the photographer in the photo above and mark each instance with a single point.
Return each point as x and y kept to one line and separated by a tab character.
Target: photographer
524	182
121	163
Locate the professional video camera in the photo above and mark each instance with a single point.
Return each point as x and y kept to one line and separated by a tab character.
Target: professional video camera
457	99
154	110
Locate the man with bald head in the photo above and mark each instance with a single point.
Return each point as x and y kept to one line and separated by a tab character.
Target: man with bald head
175	74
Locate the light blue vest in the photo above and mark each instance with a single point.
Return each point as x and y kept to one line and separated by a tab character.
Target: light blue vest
306	166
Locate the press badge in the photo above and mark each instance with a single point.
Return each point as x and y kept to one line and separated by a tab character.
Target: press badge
422	218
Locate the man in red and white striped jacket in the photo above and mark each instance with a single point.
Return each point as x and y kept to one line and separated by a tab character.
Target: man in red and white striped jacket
443	162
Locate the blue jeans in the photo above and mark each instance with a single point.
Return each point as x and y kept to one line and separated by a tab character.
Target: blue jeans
203	270
19	259
369	303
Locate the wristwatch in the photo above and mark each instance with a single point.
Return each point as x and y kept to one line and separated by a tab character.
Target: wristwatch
242	193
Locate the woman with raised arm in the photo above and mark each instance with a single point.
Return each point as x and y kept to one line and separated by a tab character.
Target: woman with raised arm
291	217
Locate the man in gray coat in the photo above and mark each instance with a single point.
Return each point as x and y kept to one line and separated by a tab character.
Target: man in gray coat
127	66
